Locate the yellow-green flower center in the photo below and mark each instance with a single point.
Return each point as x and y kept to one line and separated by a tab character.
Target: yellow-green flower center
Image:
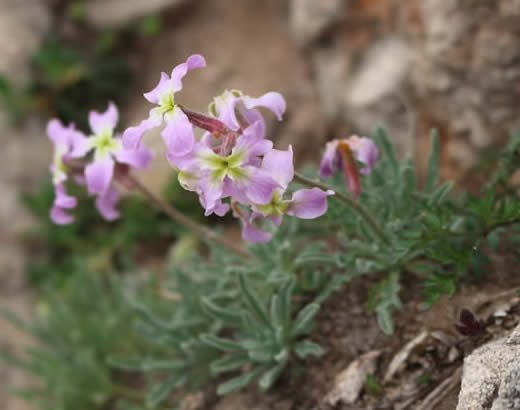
167	103
59	167
105	143
276	207
230	166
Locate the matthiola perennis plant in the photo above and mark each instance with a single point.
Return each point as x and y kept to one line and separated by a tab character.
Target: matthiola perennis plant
231	166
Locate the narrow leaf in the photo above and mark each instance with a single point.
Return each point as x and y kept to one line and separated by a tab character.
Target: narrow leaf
432	176
253	301
385	322
220	343
159	392
271	375
304	318
438	196
151	365
388	149
220	313
284	307
308	348
239	382
228	363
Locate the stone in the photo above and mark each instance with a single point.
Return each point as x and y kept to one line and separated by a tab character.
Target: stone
464	68
509	391
308	19
375	92
23	24
491	377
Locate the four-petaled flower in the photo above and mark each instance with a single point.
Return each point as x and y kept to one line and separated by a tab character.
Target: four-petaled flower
178	133
304	203
108	149
343	154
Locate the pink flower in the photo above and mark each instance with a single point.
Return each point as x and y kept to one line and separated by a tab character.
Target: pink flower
304	203
178	133
226	106
66	141
218	175
343	154
108	149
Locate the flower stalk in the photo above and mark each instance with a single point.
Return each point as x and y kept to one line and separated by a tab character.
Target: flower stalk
177	216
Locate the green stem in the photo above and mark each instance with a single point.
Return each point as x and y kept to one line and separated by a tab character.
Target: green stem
349	201
198	229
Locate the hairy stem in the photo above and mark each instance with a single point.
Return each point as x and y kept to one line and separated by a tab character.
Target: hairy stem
349	201
198	229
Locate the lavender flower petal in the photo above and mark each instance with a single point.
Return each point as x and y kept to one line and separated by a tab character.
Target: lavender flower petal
309	203
178	73
178	134
106	203
99	174
279	164
271	100
138	158
104	122
329	159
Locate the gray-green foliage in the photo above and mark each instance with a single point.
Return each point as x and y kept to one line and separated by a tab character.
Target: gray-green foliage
265	335
247	321
76	329
226	317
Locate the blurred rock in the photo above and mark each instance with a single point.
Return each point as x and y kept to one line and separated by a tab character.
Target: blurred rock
331	70
23	23
308	19
491	378
113	13
375	92
24	159
467	67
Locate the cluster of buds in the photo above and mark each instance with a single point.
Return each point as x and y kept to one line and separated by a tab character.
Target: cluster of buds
231	166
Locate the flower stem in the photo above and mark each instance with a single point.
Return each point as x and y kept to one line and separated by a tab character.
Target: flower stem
349	201
174	214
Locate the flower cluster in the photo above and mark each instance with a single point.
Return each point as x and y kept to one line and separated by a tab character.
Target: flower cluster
231	166
108	157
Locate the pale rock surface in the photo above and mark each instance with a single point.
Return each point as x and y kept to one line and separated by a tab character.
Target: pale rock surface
308	19
375	92
491	377
24	159
23	23
466	66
